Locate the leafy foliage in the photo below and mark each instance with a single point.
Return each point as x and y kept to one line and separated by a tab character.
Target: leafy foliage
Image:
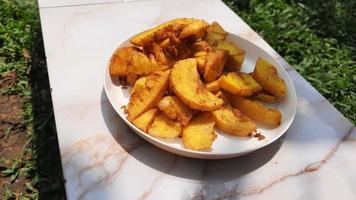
323	61
333	18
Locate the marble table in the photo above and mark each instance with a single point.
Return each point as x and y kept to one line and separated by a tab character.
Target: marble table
103	159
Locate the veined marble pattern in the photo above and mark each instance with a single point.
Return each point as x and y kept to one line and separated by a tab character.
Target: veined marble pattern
103	159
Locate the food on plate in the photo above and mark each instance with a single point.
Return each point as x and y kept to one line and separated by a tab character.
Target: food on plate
233	122
196	28
213	86
184	27
224	97
147	97
216	36
139	85
200	57
257	111
239	83
161	57
202	45
144	120
131	78
175	109
214	65
141	64
131	61
186	84
265	97
199	134
267	76
186	81
215	33
236	54
163	127
120	60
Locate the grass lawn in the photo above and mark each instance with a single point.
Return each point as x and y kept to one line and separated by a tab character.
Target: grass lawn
321	48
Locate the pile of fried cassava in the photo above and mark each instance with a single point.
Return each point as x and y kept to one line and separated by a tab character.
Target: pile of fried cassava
186	81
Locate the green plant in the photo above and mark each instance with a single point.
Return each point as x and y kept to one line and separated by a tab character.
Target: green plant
333	18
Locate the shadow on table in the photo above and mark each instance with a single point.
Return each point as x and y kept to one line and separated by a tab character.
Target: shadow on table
213	170
47	166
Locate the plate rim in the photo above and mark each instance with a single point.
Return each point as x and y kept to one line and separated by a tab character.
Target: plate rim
195	153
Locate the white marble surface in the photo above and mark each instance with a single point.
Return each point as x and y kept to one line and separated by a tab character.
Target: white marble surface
103	159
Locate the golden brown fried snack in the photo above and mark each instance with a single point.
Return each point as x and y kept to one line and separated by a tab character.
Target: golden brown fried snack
265	97
233	122
239	83
215	33
161	57
213	86
147	97
214	65
143	121
236	55
131	61
175	109
199	134
141	64
139	85
131	78
186	84
195	29
202	45
257	111
164	127
266	75
186	27
121	60
224	97
200	56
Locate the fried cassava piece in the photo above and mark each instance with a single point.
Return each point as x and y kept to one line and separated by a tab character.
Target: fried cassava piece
233	122
199	134
184	26
265	97
266	75
147	97
186	84
164	127
175	109
257	111
143	121
240	83
128	61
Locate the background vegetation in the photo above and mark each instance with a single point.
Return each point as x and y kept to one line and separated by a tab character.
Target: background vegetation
318	38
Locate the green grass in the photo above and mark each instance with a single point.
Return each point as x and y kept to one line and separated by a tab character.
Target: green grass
17	24
321	48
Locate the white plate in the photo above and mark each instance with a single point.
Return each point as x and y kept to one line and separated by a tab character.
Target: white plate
225	146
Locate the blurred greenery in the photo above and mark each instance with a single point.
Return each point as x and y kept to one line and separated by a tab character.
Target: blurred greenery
333	18
316	37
